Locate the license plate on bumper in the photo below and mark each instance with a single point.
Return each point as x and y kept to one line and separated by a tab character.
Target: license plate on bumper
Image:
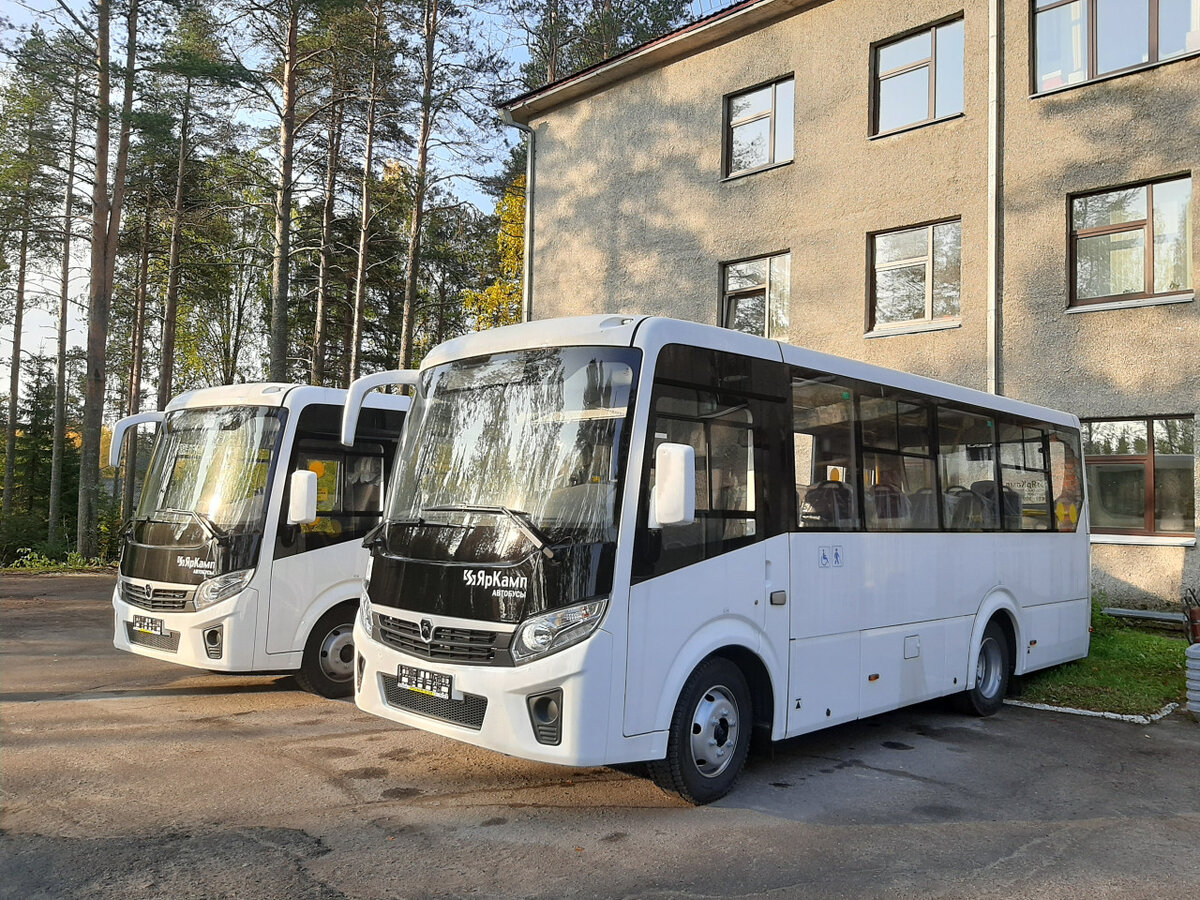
148	625
434	684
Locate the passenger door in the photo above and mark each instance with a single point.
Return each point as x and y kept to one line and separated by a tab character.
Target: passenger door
708	584
324	559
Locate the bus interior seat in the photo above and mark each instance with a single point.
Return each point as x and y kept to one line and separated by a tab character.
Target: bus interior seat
890	507
923	505
967	510
1010	503
828	504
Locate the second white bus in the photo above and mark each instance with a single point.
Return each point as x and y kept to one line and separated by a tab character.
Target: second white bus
613	539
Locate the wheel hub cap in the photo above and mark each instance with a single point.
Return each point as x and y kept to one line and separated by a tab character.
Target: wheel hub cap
337	654
714	731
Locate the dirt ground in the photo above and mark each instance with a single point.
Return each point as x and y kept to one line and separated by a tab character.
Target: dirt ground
126	777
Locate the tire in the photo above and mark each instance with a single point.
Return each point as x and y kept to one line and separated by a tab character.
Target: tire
713	717
328	665
993	667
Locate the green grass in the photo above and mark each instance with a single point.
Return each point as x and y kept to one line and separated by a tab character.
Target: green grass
1128	670
29	561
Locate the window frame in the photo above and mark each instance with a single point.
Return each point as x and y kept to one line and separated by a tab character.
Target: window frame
1146	460
873	327
727	170
765	290
1146	226
878	76
1090	23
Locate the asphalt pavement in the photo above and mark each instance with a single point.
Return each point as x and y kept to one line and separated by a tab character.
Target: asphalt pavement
122	777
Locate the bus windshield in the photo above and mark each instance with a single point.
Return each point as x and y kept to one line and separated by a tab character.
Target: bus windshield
536	433
211	466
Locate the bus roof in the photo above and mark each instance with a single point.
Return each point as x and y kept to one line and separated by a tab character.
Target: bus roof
652	332
276	394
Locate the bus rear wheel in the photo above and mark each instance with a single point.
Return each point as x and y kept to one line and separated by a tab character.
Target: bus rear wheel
328	665
992	668
710	734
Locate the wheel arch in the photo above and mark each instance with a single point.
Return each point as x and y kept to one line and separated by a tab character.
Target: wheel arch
1001	607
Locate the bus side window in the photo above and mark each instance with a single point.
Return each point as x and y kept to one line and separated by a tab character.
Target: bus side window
823	448
1066	478
966	457
1024	481
349	494
899	480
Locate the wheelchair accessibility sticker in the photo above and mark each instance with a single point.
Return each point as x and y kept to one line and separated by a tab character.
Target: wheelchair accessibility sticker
829	557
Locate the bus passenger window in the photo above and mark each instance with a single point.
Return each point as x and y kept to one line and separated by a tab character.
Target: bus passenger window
1025	485
1066	478
823	445
899	479
968	468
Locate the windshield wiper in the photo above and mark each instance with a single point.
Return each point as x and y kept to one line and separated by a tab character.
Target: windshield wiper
206	523
522	520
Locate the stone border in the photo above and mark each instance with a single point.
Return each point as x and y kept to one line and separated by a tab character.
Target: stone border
1119	717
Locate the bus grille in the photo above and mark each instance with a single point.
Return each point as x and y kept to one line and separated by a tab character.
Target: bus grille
450	644
157	599
168	641
467	712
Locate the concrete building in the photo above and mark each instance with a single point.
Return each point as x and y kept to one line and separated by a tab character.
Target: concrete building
999	194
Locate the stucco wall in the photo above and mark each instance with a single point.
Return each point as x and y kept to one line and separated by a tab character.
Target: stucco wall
1126	362
632	215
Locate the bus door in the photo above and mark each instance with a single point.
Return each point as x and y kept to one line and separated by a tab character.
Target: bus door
326	555
826	556
710	582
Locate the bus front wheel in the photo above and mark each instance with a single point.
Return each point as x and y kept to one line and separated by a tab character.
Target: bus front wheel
710	734
992	668
328	665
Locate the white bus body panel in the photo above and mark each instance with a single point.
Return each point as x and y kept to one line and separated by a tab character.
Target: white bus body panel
238	614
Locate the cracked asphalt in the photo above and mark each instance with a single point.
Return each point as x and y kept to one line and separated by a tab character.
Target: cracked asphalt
126	777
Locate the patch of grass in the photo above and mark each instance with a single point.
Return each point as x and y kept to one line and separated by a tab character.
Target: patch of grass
1128	670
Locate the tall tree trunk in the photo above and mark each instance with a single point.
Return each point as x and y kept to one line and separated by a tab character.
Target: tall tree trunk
135	366
166	374
364	222
331	167
14	366
283	205
54	526
106	222
416	220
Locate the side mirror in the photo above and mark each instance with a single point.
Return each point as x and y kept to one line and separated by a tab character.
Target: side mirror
674	500
302	509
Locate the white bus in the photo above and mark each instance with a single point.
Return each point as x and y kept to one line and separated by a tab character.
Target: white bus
616	539
245	552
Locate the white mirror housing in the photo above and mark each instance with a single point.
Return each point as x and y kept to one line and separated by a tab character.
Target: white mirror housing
302	507
122	426
674	484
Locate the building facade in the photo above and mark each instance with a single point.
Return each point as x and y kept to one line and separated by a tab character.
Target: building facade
1000	194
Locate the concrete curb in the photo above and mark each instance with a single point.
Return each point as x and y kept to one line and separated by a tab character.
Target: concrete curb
1119	717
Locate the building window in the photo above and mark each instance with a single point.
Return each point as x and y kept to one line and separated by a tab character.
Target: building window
1132	243
760	129
757	295
1140	475
1078	40
919	78
917	275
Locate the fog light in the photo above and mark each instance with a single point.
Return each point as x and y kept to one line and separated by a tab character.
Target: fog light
545	715
214	641
362	667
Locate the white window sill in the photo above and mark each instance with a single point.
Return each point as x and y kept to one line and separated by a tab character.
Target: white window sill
1144	540
1131	304
912	328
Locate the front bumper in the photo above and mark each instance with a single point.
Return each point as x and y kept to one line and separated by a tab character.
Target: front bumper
583	673
184	640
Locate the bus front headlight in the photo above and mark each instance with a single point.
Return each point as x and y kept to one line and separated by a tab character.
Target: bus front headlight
553	631
214	590
364	611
